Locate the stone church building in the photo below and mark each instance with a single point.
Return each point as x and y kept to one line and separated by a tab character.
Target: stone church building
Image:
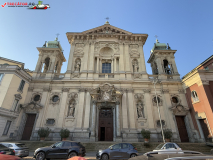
105	93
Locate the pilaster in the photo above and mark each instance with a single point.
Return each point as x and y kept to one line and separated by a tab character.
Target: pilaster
91	61
121	61
70	61
84	63
87	111
63	105
124	111
131	109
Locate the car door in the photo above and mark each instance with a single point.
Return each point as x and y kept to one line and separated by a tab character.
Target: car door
115	152
65	149
125	150
55	151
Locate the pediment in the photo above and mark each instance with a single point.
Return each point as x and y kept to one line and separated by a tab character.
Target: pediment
107	29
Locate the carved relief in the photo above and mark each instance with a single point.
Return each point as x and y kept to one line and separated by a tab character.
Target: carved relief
31	107
77	75
180	110
55	98
159	99
18	96
36	97
79	49
101	45
137	76
134	51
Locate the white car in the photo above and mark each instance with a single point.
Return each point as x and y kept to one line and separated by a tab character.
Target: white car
166	148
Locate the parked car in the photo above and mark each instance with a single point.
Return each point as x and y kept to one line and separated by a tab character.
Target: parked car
20	149
188	154
117	151
8	157
62	149
6	150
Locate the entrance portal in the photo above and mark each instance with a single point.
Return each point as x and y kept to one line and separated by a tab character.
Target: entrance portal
182	129
105	129
28	126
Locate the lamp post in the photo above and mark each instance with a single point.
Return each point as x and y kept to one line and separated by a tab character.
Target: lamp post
154	82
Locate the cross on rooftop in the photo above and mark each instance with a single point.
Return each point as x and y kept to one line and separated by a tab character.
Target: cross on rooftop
156	36
107	18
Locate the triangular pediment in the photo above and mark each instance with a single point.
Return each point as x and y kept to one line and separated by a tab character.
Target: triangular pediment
107	29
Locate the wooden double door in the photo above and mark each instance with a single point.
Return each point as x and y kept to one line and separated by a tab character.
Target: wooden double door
28	126
182	128
105	129
204	126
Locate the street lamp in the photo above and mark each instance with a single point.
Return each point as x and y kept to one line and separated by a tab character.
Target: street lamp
154	82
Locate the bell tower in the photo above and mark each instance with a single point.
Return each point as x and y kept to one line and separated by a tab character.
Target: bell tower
50	60
163	61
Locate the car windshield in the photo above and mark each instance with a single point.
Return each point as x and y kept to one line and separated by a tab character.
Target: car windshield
159	146
20	145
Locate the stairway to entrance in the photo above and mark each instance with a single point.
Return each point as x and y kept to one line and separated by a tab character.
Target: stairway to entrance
95	146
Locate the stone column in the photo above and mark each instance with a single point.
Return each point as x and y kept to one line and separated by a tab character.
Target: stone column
87	111
166	112
121	62
42	113
148	105
127	58
142	60
115	65
100	66
63	105
114	127
174	67
159	65
112	66
131	109
70	61
38	63
51	69
97	68
91	58
93	118
80	108
124	111
118	119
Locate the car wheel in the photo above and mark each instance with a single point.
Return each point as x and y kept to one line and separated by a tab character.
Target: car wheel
40	156
133	155
72	154
104	157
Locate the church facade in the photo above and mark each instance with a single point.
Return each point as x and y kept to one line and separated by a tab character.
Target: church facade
106	93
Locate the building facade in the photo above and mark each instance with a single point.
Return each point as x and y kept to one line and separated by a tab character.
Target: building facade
14	83
199	94
106	93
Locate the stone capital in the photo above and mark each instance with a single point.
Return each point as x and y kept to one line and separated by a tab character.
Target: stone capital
30	89
202	82
47	89
117	102
65	89
164	91
146	90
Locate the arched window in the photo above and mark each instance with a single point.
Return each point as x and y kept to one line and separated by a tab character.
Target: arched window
194	96
166	66
46	65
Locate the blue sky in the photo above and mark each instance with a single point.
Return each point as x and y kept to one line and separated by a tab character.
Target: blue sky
185	24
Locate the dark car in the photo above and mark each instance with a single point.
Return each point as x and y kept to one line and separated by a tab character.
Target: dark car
62	149
117	151
6	150
20	149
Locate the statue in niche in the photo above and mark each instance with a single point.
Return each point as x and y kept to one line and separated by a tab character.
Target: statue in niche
71	109
135	66
56	68
77	66
140	110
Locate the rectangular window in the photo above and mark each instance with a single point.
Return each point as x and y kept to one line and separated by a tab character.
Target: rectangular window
15	104
106	68
7	127
1	76
21	86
